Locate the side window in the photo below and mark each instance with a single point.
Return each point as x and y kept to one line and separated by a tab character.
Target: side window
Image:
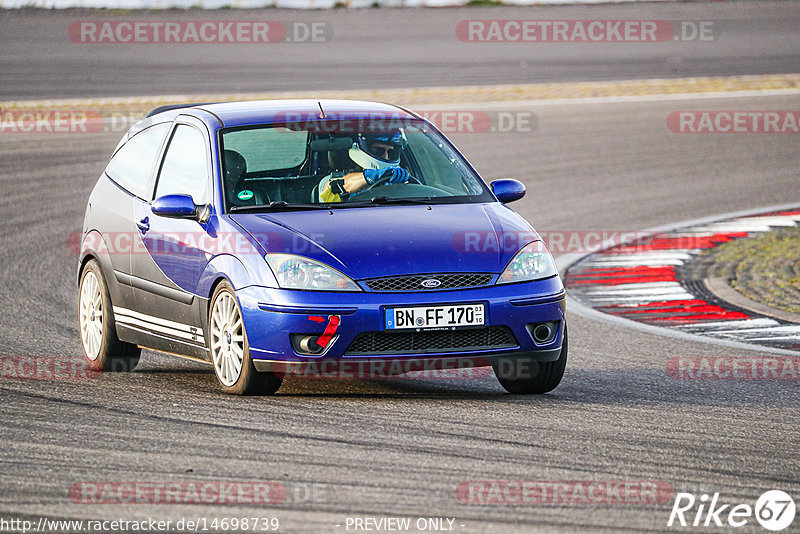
131	166
184	170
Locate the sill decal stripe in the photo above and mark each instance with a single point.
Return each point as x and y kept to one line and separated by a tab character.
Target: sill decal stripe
163	326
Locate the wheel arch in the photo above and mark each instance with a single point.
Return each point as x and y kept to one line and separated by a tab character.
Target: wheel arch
224	267
82	265
213	290
93	247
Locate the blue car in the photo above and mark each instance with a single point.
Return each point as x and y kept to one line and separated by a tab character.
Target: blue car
274	237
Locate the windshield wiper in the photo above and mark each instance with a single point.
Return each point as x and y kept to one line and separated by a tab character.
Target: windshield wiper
282	205
409	200
279	205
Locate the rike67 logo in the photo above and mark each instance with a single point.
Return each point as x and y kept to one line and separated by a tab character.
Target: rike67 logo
774	510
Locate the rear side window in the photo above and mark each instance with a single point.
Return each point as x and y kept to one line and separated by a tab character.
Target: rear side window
185	170
132	165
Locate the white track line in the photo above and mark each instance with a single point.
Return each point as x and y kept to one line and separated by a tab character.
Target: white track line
744	324
504	104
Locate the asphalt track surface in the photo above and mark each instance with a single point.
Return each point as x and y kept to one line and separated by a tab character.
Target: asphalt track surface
400	447
386	48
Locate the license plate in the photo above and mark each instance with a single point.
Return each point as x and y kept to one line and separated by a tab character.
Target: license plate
435	316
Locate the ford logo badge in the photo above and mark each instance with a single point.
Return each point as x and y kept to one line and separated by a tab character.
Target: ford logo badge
431	283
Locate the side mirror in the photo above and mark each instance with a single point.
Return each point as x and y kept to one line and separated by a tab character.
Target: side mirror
175	206
508	190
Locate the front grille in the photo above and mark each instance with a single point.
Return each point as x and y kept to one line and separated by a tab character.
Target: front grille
494	337
414	283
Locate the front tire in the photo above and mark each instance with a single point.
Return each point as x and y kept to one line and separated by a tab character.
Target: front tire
230	351
529	376
102	349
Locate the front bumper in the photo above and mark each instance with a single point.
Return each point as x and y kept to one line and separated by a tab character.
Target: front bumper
272	315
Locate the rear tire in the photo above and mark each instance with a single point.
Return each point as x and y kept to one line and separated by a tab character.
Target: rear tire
230	351
102	349
540	377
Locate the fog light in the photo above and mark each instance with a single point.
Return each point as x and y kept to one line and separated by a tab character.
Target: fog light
309	344
543	333
306	344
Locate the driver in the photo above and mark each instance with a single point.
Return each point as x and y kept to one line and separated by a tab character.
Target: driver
379	157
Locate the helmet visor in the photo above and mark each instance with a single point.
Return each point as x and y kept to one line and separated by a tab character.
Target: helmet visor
383	151
383	147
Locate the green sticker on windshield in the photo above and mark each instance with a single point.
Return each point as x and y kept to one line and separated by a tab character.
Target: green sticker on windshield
245	194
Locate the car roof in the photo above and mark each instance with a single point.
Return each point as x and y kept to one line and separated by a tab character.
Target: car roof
231	114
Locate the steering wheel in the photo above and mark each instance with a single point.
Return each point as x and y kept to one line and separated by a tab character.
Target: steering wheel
385	179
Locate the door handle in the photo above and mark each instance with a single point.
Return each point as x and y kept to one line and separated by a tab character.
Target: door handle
144	225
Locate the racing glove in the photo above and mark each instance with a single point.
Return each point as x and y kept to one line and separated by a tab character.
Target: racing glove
398	174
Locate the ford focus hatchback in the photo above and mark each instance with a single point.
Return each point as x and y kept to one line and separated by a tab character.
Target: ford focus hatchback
276	236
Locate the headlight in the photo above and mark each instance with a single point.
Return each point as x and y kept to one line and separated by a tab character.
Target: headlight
532	262
297	272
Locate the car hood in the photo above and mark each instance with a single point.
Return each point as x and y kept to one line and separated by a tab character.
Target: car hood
382	241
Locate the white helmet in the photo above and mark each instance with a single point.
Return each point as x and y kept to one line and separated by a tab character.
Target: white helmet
367	156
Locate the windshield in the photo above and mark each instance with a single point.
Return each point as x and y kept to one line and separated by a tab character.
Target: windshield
330	164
